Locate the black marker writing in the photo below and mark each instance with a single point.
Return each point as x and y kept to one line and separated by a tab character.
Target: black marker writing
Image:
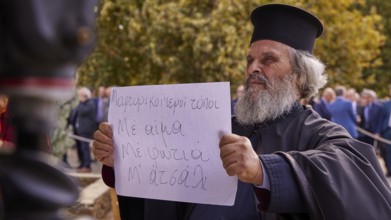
204	103
179	177
164	129
126	101
125	150
155	153
133	173
124	127
135	150
202	179
174	103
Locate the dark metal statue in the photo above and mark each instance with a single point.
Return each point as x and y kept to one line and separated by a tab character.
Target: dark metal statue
42	44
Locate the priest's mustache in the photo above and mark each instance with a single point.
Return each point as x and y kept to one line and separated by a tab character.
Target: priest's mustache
259	78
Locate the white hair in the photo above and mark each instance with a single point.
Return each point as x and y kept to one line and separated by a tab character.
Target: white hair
85	91
370	93
257	106
310	71
306	78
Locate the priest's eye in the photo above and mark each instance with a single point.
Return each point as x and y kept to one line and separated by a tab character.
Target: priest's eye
249	61
269	60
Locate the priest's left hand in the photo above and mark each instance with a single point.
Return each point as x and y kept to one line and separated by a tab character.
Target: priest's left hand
240	159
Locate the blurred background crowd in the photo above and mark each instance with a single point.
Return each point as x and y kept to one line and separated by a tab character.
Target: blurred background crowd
189	41
365	116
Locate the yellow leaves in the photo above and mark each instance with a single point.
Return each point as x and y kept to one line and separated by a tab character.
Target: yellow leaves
203	40
351	40
107	6
203	44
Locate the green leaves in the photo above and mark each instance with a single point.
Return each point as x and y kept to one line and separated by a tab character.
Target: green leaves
350	43
157	42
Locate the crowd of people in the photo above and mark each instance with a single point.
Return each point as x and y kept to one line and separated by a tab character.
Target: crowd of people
363	115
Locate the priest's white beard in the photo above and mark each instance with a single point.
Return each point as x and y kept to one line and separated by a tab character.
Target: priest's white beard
260	104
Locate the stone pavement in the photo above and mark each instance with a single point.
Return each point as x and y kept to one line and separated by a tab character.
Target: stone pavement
94	201
74	163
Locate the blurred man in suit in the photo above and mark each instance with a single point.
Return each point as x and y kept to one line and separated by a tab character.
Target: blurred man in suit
322	106
98	101
352	95
85	125
386	132
239	93
372	115
342	112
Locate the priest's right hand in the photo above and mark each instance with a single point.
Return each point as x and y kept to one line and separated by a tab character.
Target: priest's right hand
103	146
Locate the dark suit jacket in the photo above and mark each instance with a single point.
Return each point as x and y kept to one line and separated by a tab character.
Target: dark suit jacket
342	113
233	103
322	108
385	129
85	123
374	121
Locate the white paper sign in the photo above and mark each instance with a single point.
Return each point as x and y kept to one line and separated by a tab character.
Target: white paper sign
166	141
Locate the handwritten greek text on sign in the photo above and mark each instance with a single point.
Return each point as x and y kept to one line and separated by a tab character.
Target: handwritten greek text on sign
166	142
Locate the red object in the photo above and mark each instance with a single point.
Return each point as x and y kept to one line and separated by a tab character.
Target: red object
6	128
37	82
7	132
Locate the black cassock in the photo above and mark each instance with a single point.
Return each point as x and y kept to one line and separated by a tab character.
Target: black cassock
336	176
330	175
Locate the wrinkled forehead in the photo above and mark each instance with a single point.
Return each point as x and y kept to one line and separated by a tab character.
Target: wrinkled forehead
268	47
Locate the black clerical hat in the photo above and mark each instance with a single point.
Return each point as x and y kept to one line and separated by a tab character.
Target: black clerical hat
286	24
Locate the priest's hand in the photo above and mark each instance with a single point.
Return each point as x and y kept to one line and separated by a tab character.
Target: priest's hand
240	159
102	146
